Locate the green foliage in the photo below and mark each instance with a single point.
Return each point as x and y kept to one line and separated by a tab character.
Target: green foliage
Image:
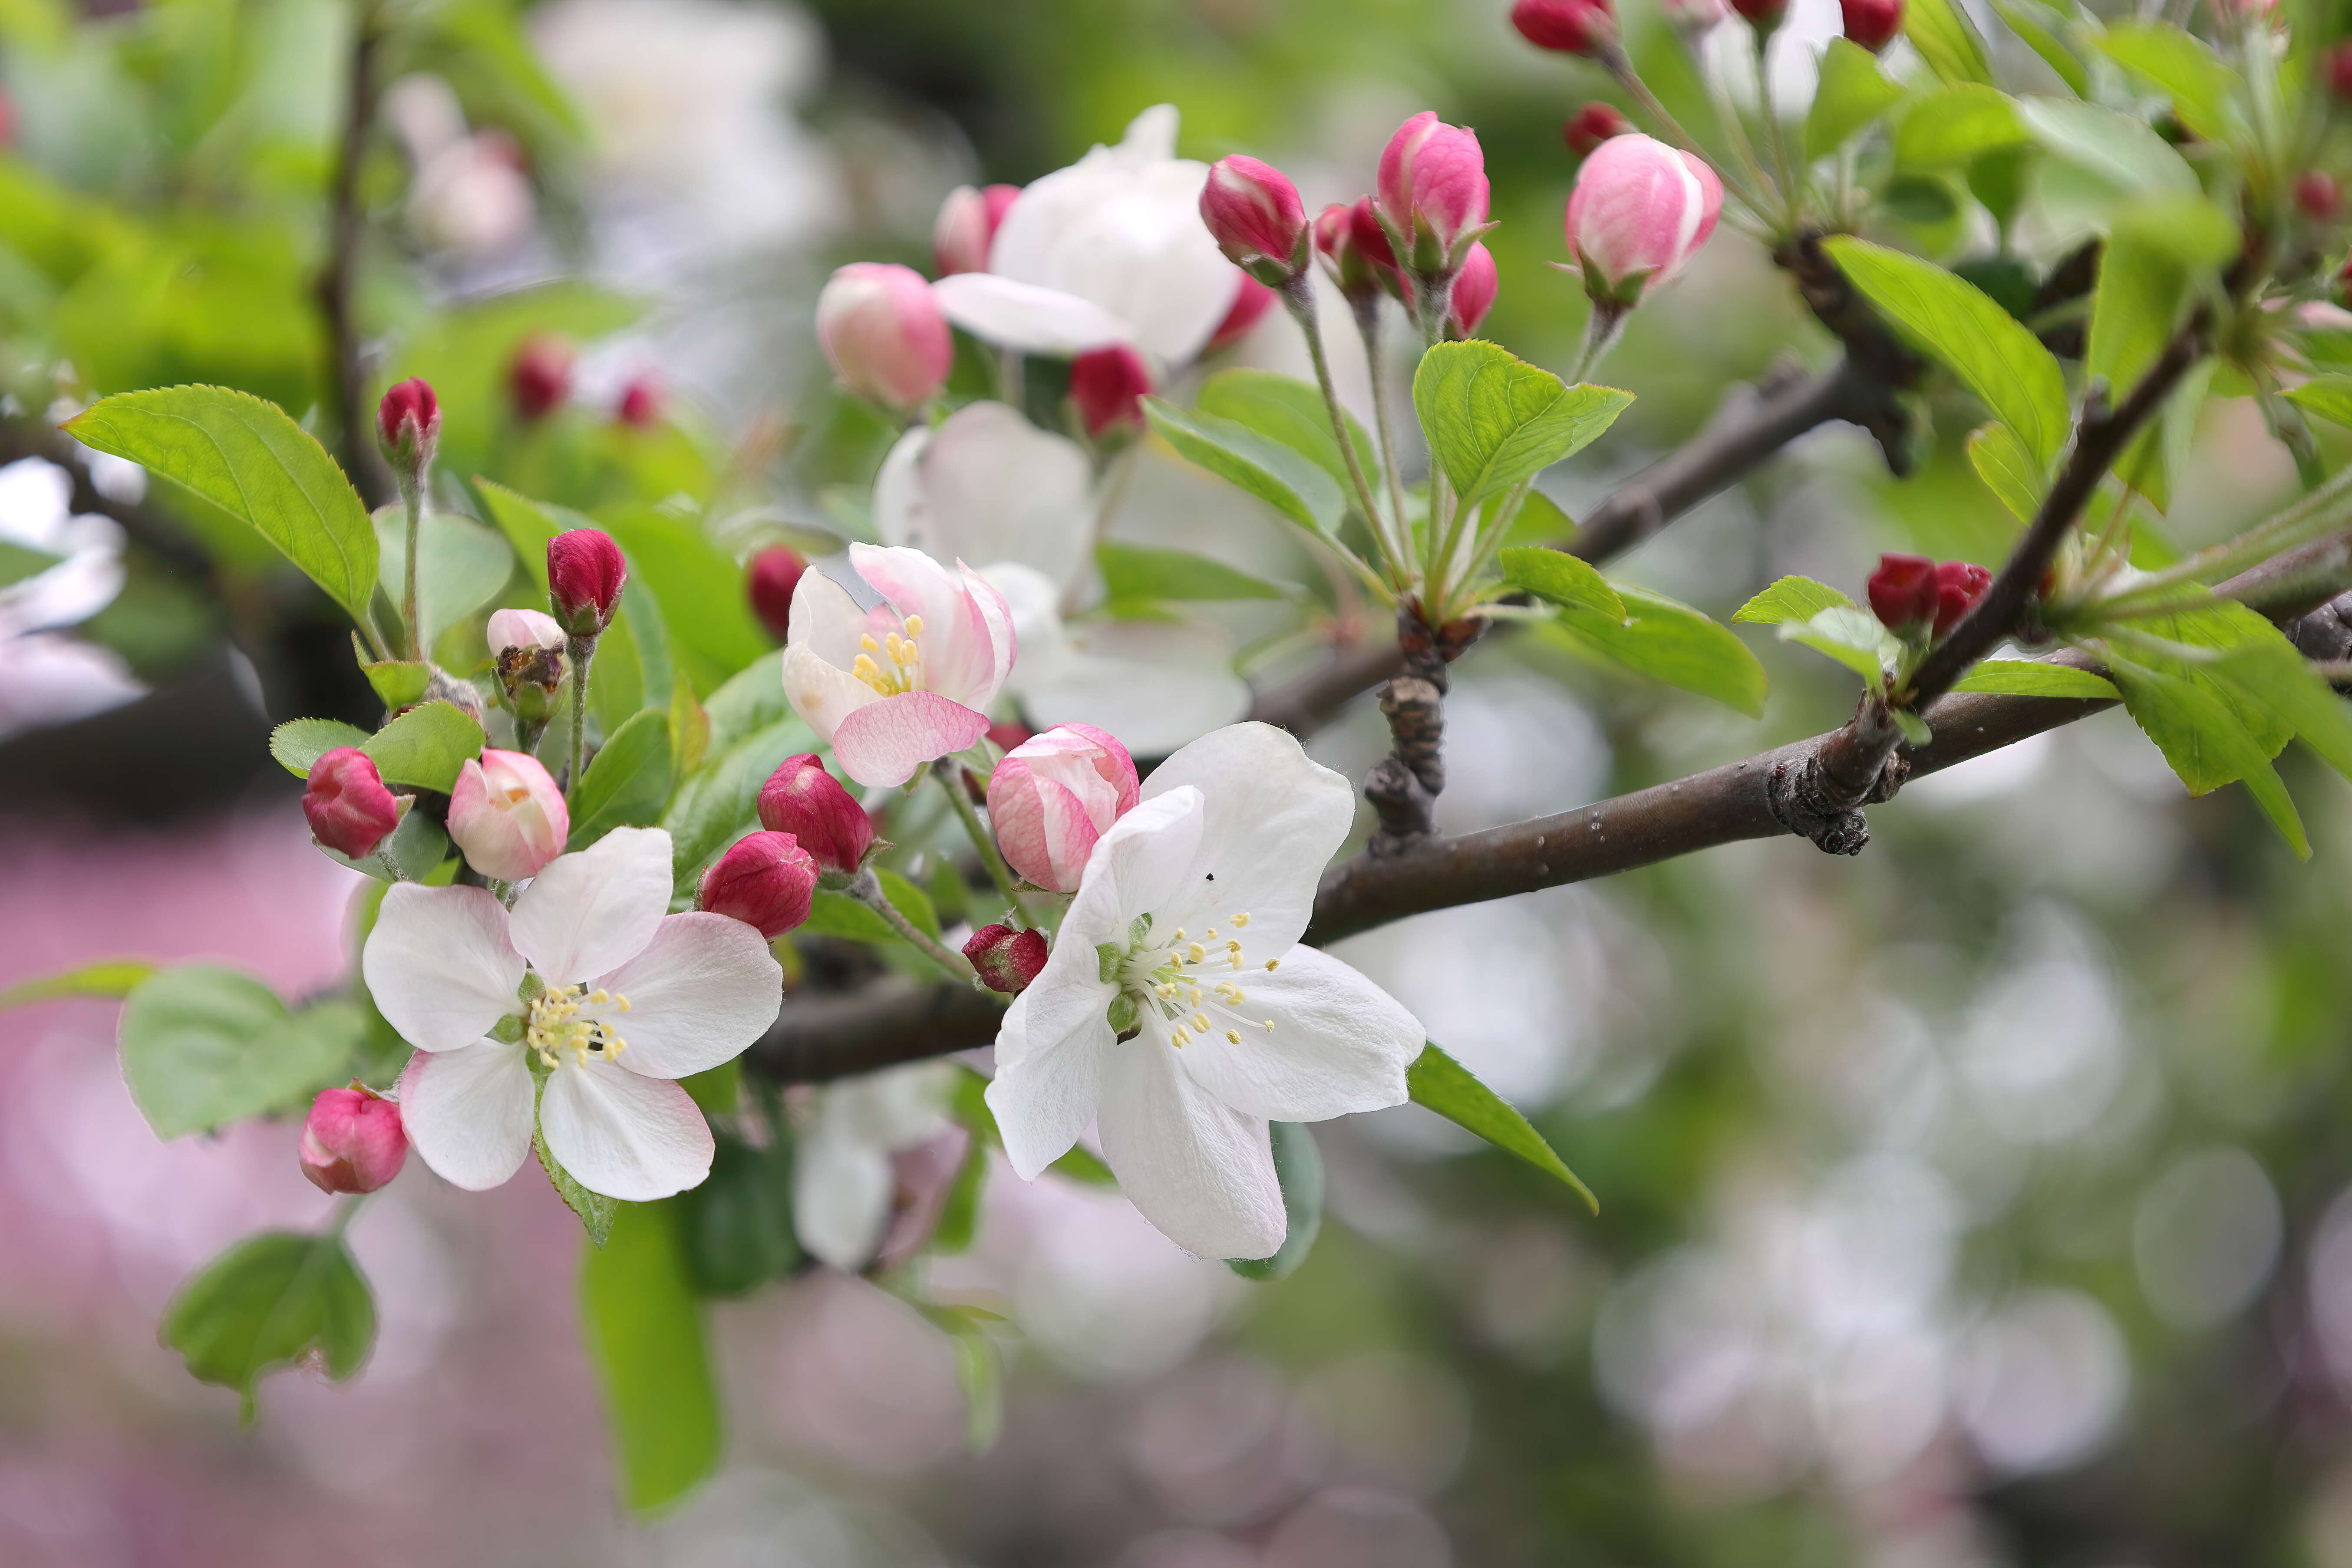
1440	1084
1299	1165
1494	420
642	1324
1295	486
594	1211
1142	571
1791	599
705	612
2006	469
204	1046
462	570
2036	678
2157	253
112	977
1290	411
1946	41
2206	742
397	683
1851	93
2329	396
2113	147
739	1222
245	456
1953	126
2041	41
425	747
1670	642
2184	67
268	1301
1560	578
18	562
628	782
1852	636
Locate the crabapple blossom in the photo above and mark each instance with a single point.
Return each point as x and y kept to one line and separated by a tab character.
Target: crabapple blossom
843	1183
987	486
1902	591
1959	585
966	226
1109	386
1255	212
765	879
2318	195
770	579
1053	795
351	1140
1433	193
802	799
523	629
1569	26
883	333
1640	211
507	815
1591	125
1006	960
47	677
346	804
1474	287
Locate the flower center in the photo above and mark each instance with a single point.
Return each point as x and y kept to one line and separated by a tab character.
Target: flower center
1193	983
904	670
571	1018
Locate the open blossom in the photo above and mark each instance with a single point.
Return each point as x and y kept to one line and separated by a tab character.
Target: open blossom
893	687
1053	795
1185	930
528	629
987	486
507	815
1640	211
883	333
616	998
843	1182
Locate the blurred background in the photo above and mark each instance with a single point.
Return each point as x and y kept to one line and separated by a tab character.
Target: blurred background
1982	1201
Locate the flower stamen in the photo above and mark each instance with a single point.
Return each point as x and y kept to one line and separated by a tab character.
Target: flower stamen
558	1023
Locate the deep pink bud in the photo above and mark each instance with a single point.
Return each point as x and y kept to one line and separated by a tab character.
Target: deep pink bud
1570	26
346	803
1591	125
1109	386
1474	287
1902	591
1433	190
1959	585
641	401
1255	214
507	815
765	879
2335	66
966	226
1053	796
884	335
1250	306
352	1141
408	427
1640	211
584	575
541	377
1873	24
1007	960
1007	733
2319	196
802	799
1762	14
771	578
1356	253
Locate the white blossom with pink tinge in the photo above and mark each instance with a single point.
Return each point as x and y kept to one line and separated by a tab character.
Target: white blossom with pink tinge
1054	796
1640	211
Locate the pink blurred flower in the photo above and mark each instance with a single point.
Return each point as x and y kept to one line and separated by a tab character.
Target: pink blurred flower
884	335
967	224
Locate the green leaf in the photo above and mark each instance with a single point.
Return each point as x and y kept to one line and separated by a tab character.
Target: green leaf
1440	1083
1952	126
751	699
1670	642
2205	742
1082	1165
300	743
720	1089
525	523
203	1046
2156	254
111	977
1540	522
1851	93
1852	636
718	805
2110	145
416	847
463	568
595	1210
425	747
1791	599
1914	729
1993	354
704	609
910	900
1294	485
18	562
2041	41
1148	572
2036	678
1946	41
1560	578
1292	412
739	1222
644	1332
2006	469
690	726
398	683
626	783
268	1301
245	456
1299	1165
838	914
2328	396
1493	419
2183	66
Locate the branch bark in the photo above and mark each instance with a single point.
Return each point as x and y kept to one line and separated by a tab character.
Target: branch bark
347	229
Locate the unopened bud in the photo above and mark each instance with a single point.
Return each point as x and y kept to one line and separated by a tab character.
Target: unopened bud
1054	796
966	226
1356	250
1959	585
765	879
1566	26
1007	960
1873	24
770	579
802	799
352	1141
2335	68
584	575
1902	592
540	378
884	335
1591	125
1255	214
1109	386
2318	195
408	429
346	803
1474	287
641	401
1251	303
1761	15
1433	193
1639	212
507	815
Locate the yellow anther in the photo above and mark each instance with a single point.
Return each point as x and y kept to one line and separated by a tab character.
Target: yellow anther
1177	1037
1269	1026
1200	1021
1271	963
866	640
1178	936
1195	952
914	626
1210	933
1233	1037
1239	920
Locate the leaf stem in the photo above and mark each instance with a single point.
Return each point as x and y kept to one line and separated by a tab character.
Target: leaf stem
412	497
944	770
1298	298
867	891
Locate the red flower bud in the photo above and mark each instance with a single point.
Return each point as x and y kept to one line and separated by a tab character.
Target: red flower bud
1006	734
2335	66
1959	585
1255	214
1434	191
1356	252
1569	26
1474	287
1873	24
584	574
1250	306
540	378
1762	14
352	1141
772	575
2319	196
408	427
1007	960
804	800
1591	125
346	804
641	401
1903	591
765	879
1108	385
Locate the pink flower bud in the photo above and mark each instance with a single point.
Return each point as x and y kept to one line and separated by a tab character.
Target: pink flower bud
641	401
1959	585
1762	14
765	879
966	226
1255	214
802	799
584	575
2335	66
1902	591
408	427
1355	251
1109	386
2318	195
1474	287
1569	26
346	804
508	815
1006	734
1250	306
1640	211
525	629
771	578
1007	960
540	378
1873	24
1053	796
352	1141
1432	192
884	335
1591	125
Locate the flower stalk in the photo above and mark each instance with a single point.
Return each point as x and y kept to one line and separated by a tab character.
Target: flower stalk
866	888
945	770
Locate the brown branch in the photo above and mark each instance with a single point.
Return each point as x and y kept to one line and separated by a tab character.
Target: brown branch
347	229
820	1036
141	522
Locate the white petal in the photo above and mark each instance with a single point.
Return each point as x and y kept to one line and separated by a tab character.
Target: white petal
594	910
990	486
440	965
1272	821
841	1199
894	1108
1153	685
467	1112
822	694
1048	1083
901	510
1026	317
628	1137
1200	1171
1339	1044
703	989
826	619
1145	865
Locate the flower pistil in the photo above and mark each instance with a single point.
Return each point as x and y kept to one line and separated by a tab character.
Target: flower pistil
572	1018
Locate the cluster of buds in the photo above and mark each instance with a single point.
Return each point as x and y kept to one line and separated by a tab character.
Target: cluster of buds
352	1141
803	801
1356	253
770	580
884	335
1432	198
765	879
1921	599
1053	795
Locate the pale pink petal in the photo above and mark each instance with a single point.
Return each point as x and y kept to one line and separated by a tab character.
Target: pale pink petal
822	694
885	742
827	620
623	1135
440	965
1044	829
841	1199
703	989
1004	641
958	648
1200	1171
594	911
1026	317
1339	1044
467	1112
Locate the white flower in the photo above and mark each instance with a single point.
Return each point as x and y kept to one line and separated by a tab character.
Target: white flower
1111	249
842	1181
616	998
1185	928
46	678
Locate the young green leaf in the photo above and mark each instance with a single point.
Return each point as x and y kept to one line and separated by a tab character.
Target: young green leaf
910	900
2062	60
1292	484
2006	469
1540	522
1560	578
267	1302
643	1328
204	1046
2206	744
1440	1083
1946	41
1150	571
1492	419
245	456
2328	396
1670	642
398	683
2037	678
1290	411
2111	146
1298	1167
1953	126
594	1211
626	783
1791	599
1852	636
300	743
1853	93
425	747
718	805
111	977
2182	65
739	1222
705	614
2156	251
838	914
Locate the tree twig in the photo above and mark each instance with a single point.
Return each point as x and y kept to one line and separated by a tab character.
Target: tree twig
347	229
